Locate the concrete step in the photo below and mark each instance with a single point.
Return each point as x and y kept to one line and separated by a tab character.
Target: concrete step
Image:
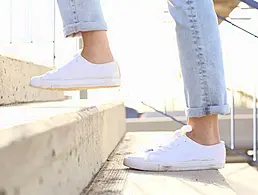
14	83
56	148
115	179
243	127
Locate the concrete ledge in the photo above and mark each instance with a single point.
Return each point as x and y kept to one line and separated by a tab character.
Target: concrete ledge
14	82
243	127
59	148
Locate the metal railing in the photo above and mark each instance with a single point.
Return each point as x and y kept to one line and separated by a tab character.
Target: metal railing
31	41
28	11
252	4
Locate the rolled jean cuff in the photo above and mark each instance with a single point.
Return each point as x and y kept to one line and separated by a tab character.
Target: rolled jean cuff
210	110
73	30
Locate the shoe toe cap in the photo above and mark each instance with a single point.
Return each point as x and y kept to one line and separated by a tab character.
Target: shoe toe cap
132	159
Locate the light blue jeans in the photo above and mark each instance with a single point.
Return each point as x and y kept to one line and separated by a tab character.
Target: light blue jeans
198	43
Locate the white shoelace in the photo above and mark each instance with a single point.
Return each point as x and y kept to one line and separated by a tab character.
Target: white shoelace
171	143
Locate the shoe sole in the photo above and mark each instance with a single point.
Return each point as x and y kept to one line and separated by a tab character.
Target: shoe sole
181	166
80	84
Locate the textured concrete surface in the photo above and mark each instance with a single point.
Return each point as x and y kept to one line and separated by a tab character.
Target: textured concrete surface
116	179
14	82
59	148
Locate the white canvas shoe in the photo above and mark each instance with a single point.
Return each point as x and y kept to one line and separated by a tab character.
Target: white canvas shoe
180	153
79	74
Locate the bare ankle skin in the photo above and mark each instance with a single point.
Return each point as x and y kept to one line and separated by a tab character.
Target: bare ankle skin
96	47
205	130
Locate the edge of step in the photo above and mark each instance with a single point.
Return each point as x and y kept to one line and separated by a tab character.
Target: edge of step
61	152
14	82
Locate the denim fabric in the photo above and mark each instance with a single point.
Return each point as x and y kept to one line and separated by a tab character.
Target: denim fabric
198	43
81	15
200	55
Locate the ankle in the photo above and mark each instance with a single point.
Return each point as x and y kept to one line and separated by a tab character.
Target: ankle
97	57
205	130
204	140
96	47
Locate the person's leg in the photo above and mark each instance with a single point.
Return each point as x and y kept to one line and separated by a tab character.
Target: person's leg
96	47
95	66
202	67
205	129
196	146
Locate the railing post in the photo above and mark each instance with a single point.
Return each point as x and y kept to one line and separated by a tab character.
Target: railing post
83	94
54	33
165	106
254	125
30	3
11	21
232	131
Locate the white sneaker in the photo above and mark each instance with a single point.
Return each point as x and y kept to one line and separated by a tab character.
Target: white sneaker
79	74
181	153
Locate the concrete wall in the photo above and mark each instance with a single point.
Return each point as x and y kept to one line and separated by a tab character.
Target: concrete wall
14	82
61	153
